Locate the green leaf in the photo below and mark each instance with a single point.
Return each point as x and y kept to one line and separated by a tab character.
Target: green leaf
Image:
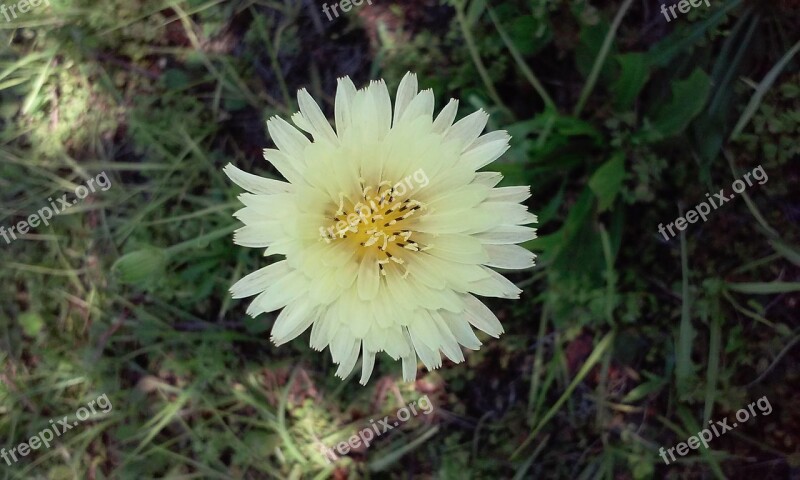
688	99
607	180
765	288
256	325
175	79
581	248
645	389
633	77
31	323
592	37
141	265
529	34
789	252
668	48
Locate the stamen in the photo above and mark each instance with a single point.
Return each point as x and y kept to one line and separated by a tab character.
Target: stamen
340	211
393	207
379	229
409	213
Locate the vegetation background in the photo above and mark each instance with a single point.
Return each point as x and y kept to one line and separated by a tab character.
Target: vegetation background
622	342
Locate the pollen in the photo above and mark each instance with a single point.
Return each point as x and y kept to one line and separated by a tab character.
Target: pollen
380	225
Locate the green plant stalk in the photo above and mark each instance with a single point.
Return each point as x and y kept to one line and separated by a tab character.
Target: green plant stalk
526	71
195	242
771	232
683	350
714	348
476	58
601	58
537	364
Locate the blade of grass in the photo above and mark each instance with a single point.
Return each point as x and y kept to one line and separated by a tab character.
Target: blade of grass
595	356
523	469
753	315
692	426
763	88
523	66
537	363
683	350
771	232
601	58
764	288
712	373
774	363
476	58
384	462
39	83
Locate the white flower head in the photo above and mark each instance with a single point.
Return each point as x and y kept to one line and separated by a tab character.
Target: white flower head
387	229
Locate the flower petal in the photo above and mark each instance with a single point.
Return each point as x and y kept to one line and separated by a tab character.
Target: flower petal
510	257
288	139
367	363
343	108
506	234
445	118
466	130
321	130
254	183
292	321
405	94
481	317
510	194
260	280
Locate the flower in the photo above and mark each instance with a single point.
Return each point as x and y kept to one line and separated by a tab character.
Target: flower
387	229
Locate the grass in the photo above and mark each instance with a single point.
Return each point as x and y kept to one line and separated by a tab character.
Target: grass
622	343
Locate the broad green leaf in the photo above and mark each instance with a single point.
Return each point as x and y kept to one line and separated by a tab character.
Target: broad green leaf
688	99
633	77
607	180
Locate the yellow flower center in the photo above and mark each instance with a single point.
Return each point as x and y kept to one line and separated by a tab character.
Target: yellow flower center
378	224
